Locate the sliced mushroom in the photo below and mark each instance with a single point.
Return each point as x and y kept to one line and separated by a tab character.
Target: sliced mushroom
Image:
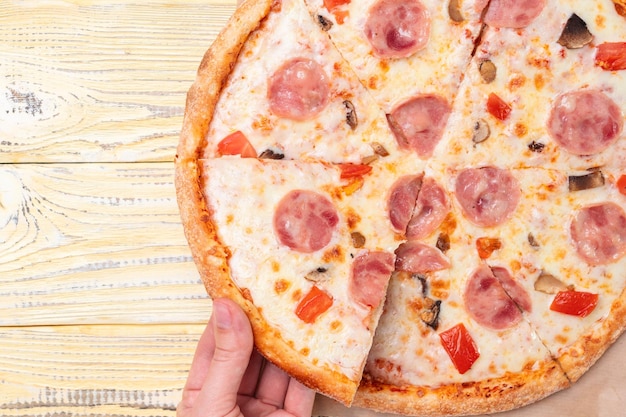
487	70
536	146
454	11
584	182
481	131
358	240
351	117
549	284
271	154
325	24
318	275
430	315
379	149
443	242
369	159
575	33
532	241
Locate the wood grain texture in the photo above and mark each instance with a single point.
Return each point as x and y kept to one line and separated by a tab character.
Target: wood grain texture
94	370
94	244
99	80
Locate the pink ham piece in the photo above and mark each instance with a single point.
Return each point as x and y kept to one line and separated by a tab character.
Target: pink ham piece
430	210
488	195
305	221
487	301
397	28
401	201
418	123
299	89
599	233
585	122
370	273
512	288
418	258
514	14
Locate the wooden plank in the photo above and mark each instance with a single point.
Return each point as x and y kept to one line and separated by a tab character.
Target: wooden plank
95	370
94	244
99	80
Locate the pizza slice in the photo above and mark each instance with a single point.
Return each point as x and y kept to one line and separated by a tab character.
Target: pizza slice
291	95
565	247
409	54
546	88
452	339
307	252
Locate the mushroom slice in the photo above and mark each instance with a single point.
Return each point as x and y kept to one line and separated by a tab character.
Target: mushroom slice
358	240
454	11
351	117
487	70
575	33
549	284
318	275
481	131
271	154
443	242
324	23
379	149
584	182
430	314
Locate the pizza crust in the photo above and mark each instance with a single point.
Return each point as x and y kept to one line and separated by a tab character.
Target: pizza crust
210	255
581	355
489	396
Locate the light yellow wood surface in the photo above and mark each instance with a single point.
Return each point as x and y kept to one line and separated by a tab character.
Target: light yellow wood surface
100	303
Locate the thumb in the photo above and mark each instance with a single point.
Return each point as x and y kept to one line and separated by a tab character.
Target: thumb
233	347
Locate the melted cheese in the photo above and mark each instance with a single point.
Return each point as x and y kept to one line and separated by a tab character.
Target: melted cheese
244	103
243	210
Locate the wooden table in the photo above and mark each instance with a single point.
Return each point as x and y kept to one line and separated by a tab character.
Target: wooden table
100	303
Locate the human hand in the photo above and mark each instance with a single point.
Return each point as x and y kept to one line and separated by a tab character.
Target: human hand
227	379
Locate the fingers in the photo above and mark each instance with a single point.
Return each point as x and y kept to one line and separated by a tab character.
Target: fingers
231	353
272	386
299	399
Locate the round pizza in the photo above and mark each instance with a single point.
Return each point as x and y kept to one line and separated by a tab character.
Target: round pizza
420	204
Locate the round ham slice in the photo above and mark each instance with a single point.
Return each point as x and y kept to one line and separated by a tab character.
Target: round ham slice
397	28
418	258
513	13
418	123
488	195
488	303
585	122
305	221
370	273
299	89
599	233
431	208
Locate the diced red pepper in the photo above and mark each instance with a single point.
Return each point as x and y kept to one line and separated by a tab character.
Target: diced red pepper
574	303
236	144
611	56
354	170
313	305
331	4
621	184
460	347
497	107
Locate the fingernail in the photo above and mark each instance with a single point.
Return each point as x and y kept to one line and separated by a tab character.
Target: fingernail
223	319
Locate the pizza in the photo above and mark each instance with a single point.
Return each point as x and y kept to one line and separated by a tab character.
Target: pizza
421	205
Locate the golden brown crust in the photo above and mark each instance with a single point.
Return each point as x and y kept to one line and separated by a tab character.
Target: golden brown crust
580	356
489	396
210	256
